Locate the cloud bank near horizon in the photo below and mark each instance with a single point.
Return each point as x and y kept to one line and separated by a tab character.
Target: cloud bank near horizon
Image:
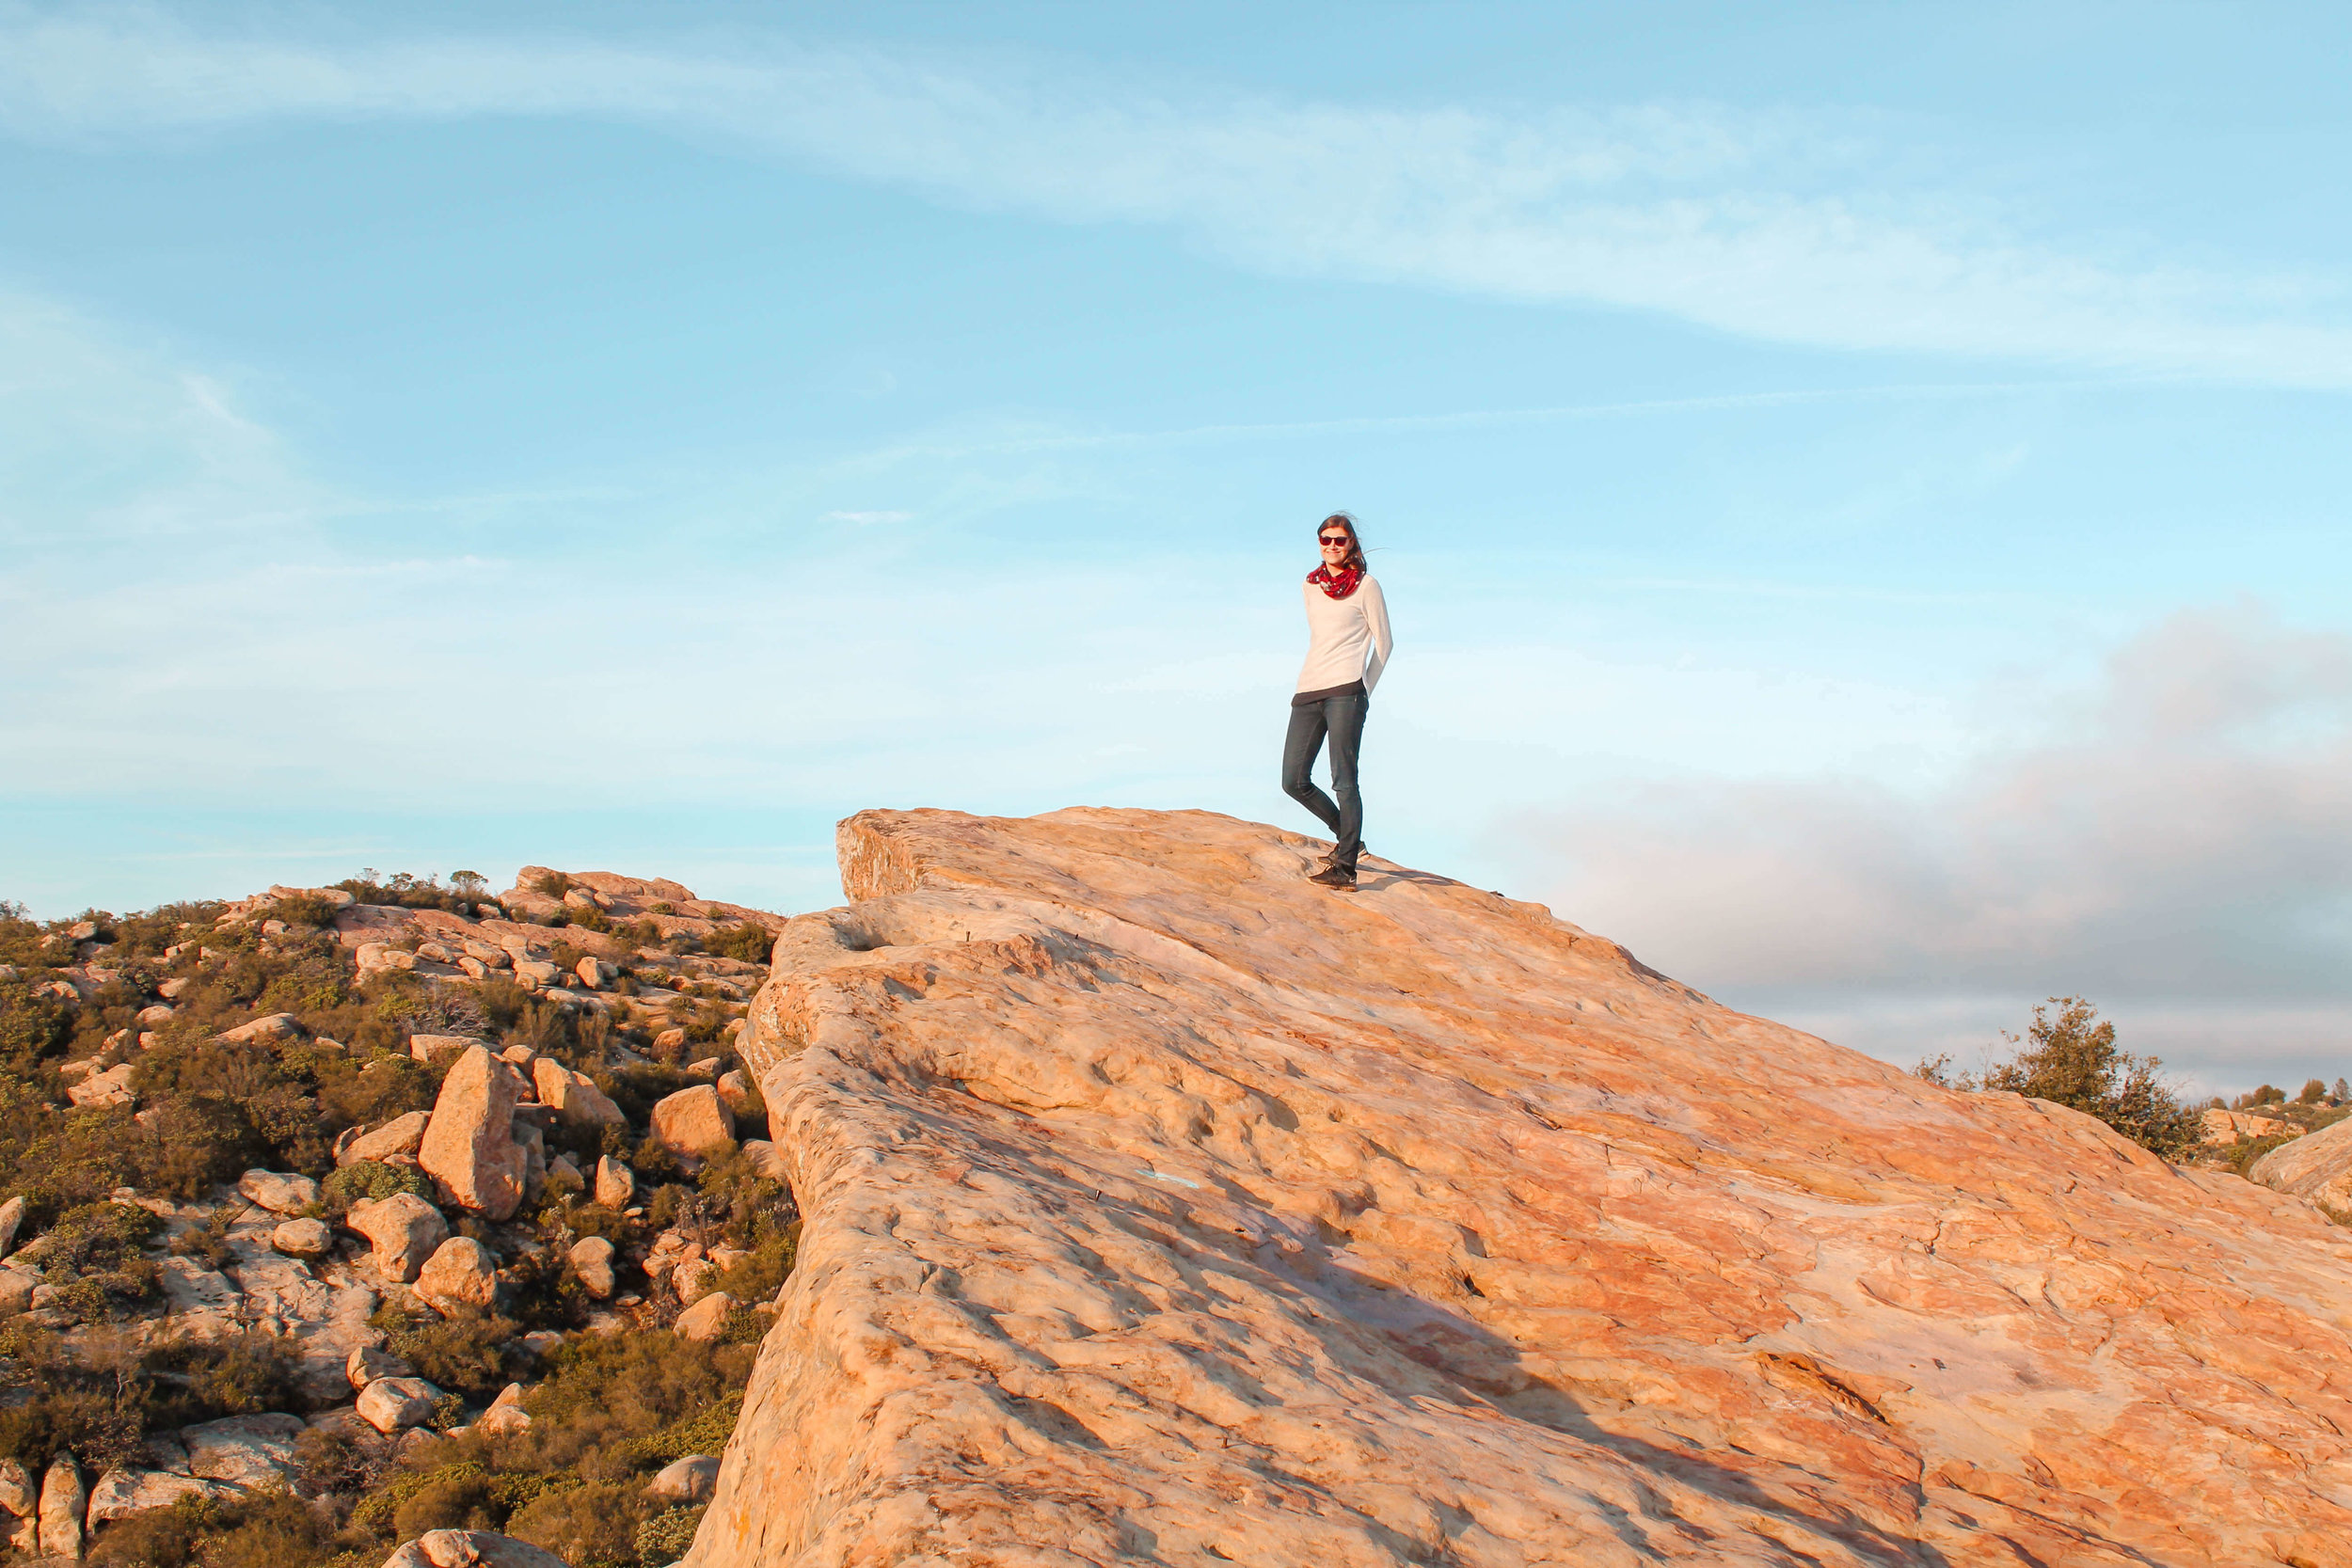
1714	216
2170	844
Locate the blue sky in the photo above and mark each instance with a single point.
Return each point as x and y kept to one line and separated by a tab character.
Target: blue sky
1858	486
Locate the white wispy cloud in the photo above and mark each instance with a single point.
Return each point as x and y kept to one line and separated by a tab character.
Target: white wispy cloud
1759	226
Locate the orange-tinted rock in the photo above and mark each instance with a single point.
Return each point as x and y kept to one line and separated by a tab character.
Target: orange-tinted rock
470	1148
1159	1204
2317	1166
694	1122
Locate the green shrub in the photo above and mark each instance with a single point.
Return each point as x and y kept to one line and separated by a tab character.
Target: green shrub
371	1179
31	1027
99	1246
593	1524
241	1374
354	1092
750	942
465	1353
401	891
605	1394
451	1501
2072	1060
667	1536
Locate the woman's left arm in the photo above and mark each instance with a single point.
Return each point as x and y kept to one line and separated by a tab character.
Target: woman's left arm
1376	618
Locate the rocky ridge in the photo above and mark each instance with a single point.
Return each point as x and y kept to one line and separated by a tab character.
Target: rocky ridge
478	1182
1161	1207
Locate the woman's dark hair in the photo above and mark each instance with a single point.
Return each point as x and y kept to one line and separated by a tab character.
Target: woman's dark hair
1355	541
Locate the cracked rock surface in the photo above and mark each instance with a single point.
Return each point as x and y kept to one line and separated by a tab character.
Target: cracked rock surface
1162	1206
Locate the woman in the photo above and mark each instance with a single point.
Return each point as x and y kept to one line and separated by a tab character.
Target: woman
1347	625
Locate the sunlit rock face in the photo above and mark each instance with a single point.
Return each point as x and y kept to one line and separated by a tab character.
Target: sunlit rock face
1163	1207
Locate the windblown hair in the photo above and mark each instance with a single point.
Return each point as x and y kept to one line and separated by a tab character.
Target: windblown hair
1355	541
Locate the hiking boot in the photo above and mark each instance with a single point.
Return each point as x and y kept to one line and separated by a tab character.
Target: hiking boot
1339	877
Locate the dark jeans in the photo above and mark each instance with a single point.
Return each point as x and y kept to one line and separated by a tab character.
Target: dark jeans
1342	720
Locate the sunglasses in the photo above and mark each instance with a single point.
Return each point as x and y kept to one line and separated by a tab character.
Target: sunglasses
1334	539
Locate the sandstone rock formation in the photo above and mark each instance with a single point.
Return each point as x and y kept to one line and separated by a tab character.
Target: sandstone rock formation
694	1122
404	1230
391	1404
397	1139
2317	1166
592	1261
460	1275
617	1184
280	1192
1162	1206
64	1507
470	1548
571	1096
470	1148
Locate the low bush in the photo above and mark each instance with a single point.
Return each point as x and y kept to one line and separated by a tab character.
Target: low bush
750	942
403	890
667	1536
593	1524
2073	1059
370	1178
465	1353
242	1374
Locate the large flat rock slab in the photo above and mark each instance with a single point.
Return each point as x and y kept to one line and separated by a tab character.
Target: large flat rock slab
1160	1206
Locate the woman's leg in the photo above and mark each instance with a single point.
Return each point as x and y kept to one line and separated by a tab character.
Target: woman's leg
1298	760
1344	718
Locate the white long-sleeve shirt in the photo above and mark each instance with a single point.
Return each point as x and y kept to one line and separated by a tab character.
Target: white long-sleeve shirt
1348	639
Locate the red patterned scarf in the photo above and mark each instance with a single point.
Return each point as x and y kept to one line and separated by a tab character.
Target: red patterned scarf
1338	584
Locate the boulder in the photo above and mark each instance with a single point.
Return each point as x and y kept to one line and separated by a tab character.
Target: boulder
11	1220
121	1493
392	1404
691	1279
17	1286
537	974
595	974
372	1364
519	1057
767	1159
572	1096
705	1068
668	1041
591	1257
708	1318
64	1507
470	1148
173	989
378	958
242	1450
734	1089
462	1273
432	1050
2317	1168
20	1498
470	1548
154	1017
280	1192
102	1089
694	1122
686	1480
405	1228
303	1238
617	1184
506	1415
397	1140
276	1028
